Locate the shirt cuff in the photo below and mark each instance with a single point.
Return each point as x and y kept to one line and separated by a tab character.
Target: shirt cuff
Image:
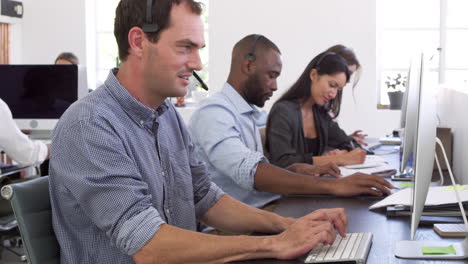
211	197
138	230
246	175
43	151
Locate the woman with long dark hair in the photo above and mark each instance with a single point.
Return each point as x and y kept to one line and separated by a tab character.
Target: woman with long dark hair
300	126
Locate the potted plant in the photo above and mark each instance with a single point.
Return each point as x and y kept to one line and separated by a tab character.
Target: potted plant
395	89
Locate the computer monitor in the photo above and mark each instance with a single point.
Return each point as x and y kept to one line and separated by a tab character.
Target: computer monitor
424	144
425	140
409	111
38	95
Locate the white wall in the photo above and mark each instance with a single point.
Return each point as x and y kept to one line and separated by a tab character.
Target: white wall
50	27
452	109
302	29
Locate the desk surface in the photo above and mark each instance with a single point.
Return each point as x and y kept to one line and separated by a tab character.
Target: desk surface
387	231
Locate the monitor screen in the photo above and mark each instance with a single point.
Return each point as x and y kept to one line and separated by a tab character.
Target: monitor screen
38	95
409	115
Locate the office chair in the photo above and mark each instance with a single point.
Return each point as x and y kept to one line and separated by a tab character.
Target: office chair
263	137
8	225
31	206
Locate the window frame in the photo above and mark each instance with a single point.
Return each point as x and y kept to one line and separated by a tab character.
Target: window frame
442	68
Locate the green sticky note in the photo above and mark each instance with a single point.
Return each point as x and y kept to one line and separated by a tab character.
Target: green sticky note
459	188
406	184
438	250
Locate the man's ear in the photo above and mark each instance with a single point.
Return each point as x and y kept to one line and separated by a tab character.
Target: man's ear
136	37
248	66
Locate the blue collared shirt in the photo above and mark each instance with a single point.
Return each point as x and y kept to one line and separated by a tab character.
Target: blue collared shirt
110	192
226	135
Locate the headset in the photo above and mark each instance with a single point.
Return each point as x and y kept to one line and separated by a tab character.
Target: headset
152	27
251	55
317	65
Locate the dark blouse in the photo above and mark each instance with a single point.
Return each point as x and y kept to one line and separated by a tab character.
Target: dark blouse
312	145
285	139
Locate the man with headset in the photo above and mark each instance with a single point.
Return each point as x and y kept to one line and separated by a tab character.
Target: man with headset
225	131
125	183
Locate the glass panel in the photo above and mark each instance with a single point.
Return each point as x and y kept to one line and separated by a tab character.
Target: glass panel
457	78
107	51
105	14
411	14
399	46
457	46
456	13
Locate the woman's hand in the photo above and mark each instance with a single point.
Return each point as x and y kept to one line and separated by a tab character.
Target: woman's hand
359	137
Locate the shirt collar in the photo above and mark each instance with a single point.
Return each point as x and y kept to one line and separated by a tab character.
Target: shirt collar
239	102
137	111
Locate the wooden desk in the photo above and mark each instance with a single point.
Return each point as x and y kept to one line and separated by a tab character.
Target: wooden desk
386	231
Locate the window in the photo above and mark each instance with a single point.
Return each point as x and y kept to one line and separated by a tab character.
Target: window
106	45
4	44
436	27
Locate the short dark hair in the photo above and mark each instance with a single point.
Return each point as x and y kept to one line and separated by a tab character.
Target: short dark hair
132	13
68	56
327	63
254	43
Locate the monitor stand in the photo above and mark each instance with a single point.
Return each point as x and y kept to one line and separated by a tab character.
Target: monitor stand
411	249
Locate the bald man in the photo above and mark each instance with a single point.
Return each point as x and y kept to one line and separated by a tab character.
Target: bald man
225	131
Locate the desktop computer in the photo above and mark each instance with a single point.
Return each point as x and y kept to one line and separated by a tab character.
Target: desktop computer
424	145
38	95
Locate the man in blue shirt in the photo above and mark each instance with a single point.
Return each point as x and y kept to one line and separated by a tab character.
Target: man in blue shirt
226	135
125	183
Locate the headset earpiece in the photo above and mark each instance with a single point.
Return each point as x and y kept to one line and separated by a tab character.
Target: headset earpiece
149	26
251	55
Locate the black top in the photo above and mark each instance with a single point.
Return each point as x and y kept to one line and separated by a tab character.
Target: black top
312	145
285	139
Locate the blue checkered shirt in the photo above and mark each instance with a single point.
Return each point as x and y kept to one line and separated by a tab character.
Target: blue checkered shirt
118	171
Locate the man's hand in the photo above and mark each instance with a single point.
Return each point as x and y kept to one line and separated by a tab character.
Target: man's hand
360	183
359	137
315	170
308	231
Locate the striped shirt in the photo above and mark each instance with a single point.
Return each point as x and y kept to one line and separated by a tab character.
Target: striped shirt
118	171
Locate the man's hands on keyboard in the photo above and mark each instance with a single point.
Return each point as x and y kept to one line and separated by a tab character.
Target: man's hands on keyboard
309	231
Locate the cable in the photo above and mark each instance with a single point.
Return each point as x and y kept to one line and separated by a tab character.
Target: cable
453	183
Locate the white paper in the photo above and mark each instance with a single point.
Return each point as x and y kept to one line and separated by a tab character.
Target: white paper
438	195
372	164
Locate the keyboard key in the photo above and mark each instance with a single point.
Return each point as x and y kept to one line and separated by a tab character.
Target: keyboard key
356	245
333	248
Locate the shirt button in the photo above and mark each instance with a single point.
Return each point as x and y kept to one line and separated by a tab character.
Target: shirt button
167	211
163	174
142	122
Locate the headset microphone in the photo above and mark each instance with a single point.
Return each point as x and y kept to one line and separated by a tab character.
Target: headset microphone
203	85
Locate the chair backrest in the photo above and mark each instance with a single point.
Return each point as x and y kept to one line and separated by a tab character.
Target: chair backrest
31	205
263	137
